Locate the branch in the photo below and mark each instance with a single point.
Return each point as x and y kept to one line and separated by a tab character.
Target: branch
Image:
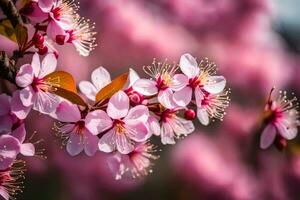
8	68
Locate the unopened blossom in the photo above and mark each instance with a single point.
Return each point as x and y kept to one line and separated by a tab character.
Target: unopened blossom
100	78
200	78
36	88
164	82
72	128
128	125
211	106
172	126
136	163
281	117
11	180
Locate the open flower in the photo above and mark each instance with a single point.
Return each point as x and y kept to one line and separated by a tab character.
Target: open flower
100	78
172	126
10	180
128	125
73	129
211	106
281	117
164	83
200	78
137	163
36	90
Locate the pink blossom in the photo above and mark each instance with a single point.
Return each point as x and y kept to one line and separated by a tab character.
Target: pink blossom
73	129
200	78
100	78
164	83
10	180
135	164
281	117
36	90
128	125
172	126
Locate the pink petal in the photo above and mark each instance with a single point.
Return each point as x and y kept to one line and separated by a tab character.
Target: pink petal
268	136
9	148
118	105
203	116
17	106
107	142
36	64
123	143
98	121
145	87
183	97
67	112
19	133
5	104
215	84
165	97
189	66
181	126
167	134
75	144
287	130
88	89
100	78
154	126
91	144
25	76
54	29
137	131
198	96
116	165
6	123
179	81
46	5
48	65
132	78
4	193
45	102
27	149
138	113
27	96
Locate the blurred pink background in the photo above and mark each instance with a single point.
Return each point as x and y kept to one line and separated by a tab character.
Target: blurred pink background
255	44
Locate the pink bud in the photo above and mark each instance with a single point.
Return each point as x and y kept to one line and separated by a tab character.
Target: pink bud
60	39
38	40
189	114
43	50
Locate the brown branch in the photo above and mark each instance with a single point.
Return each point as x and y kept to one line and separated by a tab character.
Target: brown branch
11	12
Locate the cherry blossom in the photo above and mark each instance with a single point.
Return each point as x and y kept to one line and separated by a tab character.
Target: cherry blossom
100	78
200	78
164	83
73	129
137	163
36	90
281	117
128	125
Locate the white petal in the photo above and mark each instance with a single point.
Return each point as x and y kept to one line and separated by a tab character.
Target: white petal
107	142
203	116
100	78
179	81
75	144
138	113
215	84
167	134
132	78
183	97
36	64
25	76
48	65
198	96
189	66
287	130
45	102
181	126
88	89
27	96
27	149
98	121
154	126
145	87
165	97
118	105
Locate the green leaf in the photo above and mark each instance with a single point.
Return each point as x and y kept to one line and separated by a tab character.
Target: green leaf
21	35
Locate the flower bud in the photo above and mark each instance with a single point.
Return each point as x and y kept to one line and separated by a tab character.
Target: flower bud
189	114
60	39
43	50
28	9
38	40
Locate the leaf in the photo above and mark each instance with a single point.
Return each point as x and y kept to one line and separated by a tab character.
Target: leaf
62	79
7	30
21	35
109	90
65	86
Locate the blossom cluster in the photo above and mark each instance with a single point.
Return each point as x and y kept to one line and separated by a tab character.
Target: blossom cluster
57	21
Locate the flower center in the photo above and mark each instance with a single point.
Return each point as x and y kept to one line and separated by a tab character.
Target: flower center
57	13
194	82
120	129
39	84
80	126
163	81
167	114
